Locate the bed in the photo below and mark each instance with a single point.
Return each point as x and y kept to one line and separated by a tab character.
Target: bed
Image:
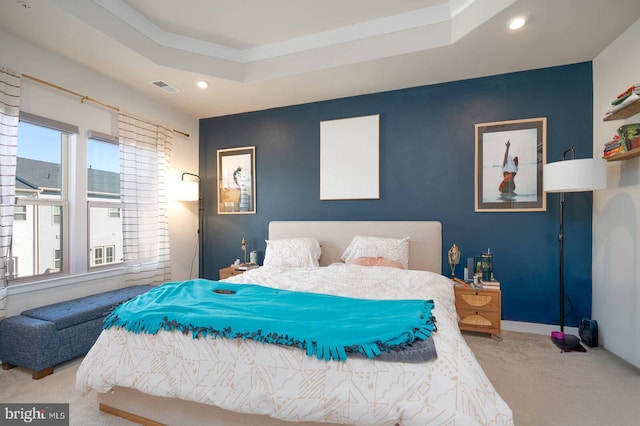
171	378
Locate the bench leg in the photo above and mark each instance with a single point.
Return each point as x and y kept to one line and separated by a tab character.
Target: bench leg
37	375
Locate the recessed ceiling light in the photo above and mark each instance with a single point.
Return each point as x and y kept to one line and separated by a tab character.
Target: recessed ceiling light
24	4
517	23
202	84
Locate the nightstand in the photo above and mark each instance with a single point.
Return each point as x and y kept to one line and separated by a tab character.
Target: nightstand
479	310
229	271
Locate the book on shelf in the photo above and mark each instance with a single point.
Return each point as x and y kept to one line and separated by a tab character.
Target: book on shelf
613	152
246	266
614	144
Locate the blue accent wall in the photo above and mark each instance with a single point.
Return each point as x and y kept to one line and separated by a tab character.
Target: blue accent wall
427	143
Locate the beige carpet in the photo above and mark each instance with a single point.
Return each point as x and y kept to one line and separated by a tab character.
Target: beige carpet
541	385
544	386
17	386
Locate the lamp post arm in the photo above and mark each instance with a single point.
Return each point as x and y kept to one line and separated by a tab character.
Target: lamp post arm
571	150
189	174
200	232
561	242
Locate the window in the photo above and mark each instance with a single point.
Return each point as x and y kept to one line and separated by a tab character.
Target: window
41	195
114	213
98	256
57	215
55	225
103	195
109	254
12	266
20	213
103	255
57	260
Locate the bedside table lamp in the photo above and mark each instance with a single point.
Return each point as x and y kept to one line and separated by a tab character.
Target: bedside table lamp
572	175
244	249
454	258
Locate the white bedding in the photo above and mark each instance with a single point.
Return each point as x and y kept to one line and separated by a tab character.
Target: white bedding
251	377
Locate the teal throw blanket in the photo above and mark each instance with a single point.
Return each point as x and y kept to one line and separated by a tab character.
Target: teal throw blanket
324	325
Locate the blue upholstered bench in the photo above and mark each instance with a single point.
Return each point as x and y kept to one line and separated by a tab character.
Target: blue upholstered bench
40	338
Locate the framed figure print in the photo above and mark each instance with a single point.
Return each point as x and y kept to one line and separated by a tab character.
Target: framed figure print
509	160
237	180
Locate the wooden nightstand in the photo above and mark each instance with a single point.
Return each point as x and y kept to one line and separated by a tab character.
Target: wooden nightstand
479	309
229	271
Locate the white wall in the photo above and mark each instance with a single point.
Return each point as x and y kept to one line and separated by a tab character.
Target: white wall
616	225
26	58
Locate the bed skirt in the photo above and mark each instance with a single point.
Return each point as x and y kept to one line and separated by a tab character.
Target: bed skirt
149	410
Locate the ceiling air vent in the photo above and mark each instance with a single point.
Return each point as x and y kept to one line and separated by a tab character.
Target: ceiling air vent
165	86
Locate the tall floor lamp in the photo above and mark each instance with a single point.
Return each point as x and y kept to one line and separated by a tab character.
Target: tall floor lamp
189	190
573	175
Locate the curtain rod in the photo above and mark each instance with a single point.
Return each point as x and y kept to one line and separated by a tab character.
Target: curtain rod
83	98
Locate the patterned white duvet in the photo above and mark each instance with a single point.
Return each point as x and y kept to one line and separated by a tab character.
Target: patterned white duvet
282	382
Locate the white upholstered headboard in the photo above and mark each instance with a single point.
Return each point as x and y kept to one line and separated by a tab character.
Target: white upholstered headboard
425	238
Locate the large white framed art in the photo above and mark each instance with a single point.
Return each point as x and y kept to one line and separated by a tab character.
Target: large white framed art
350	158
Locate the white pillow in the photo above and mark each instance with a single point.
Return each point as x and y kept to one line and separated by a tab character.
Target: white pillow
389	248
301	252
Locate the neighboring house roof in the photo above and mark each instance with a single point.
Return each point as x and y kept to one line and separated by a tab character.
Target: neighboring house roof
34	174
101	181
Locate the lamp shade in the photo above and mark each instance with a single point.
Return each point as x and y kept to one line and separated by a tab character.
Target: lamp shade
585	174
187	191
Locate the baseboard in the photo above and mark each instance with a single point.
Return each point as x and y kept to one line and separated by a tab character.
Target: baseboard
535	328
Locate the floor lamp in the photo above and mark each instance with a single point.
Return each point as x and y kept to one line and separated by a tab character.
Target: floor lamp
189	190
563	176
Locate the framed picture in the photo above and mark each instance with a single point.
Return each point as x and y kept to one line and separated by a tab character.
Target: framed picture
237	180
509	160
350	158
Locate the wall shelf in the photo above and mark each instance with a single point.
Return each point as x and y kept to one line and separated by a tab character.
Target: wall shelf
625	155
627	111
632	109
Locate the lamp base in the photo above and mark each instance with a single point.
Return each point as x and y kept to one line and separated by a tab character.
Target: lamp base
567	342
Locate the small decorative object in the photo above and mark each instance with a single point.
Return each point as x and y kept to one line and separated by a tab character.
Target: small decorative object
487	265
247	266
253	257
454	259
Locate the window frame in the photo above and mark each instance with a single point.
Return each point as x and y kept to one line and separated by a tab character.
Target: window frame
109	204
68	137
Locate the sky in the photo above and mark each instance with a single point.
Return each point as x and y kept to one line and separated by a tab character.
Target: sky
44	144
